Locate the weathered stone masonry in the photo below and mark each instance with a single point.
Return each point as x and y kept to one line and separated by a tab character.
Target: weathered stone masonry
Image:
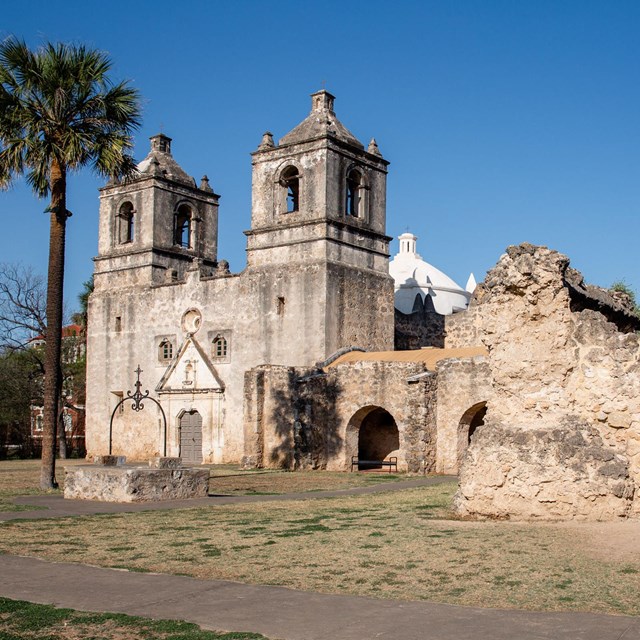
561	437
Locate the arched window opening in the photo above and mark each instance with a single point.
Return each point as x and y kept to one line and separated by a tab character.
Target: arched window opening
471	420
182	232
353	206
476	421
125	223
290	180
165	351
220	347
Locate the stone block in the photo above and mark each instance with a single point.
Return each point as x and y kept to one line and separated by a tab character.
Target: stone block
134	484
109	461
165	463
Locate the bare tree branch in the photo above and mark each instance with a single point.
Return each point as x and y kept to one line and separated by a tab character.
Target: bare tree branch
22	306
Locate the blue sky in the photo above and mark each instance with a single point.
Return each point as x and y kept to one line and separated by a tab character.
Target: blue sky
504	121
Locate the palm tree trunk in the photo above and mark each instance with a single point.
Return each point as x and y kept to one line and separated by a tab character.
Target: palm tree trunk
53	345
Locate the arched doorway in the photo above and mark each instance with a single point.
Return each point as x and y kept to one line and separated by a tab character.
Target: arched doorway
471	419
372	434
191	437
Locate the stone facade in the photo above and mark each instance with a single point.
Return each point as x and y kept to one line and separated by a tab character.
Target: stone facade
463	389
320	418
562	431
535	397
419	329
316	280
311	419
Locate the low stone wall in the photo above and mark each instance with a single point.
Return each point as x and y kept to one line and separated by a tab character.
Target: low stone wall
309	419
134	484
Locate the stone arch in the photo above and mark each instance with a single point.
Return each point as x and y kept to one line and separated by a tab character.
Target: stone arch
289	181
184	231
372	434
471	419
356	193
125	220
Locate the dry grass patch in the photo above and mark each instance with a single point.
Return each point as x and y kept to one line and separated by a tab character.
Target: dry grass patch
22	478
226	480
390	545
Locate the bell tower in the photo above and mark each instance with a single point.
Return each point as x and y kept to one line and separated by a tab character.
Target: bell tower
157	225
319	194
318	218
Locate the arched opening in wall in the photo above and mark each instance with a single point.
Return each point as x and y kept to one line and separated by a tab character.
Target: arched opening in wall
125	223
357	195
182	227
373	435
354	200
471	419
290	181
190	425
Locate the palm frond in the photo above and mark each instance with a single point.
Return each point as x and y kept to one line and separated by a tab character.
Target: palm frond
61	103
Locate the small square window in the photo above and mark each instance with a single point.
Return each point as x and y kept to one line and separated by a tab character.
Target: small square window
220	345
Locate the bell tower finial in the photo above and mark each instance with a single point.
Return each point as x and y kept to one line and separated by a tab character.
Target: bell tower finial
322	101
161	143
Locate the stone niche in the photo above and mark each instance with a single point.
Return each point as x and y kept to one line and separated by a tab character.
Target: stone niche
561	436
163	479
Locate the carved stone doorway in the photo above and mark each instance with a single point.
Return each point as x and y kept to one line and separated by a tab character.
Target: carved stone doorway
191	437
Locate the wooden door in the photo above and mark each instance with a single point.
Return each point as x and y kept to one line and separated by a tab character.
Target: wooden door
191	438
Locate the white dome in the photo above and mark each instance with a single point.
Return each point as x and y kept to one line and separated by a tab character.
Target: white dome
415	277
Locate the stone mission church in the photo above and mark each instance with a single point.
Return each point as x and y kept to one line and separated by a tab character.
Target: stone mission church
244	365
305	360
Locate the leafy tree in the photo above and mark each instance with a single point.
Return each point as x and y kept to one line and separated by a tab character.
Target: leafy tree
80	318
20	387
23	318
59	112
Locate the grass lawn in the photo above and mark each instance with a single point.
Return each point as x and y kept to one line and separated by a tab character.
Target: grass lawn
22	478
230	481
402	544
26	621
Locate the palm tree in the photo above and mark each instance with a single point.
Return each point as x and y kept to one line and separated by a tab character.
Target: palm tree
59	112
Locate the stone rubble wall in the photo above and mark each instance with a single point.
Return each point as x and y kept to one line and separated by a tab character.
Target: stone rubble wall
463	329
562	432
308	419
419	329
462	384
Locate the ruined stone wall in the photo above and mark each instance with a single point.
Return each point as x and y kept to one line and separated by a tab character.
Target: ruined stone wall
419	329
464	385
562	429
462	329
322	412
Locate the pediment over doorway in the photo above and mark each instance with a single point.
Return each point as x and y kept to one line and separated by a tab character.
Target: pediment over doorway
191	371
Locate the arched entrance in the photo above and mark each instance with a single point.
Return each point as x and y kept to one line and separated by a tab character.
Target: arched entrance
372	434
471	419
191	437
